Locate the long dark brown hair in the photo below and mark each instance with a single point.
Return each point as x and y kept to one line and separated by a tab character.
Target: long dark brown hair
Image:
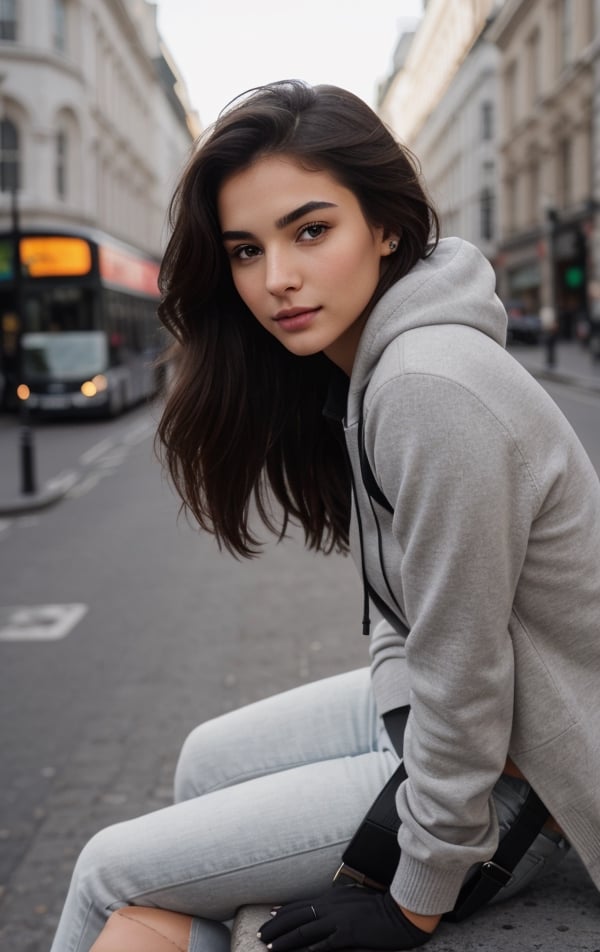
243	421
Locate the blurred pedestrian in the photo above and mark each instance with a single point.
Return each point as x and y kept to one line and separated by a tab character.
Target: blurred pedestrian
333	355
550	332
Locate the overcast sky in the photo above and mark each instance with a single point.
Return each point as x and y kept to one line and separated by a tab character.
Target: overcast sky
223	47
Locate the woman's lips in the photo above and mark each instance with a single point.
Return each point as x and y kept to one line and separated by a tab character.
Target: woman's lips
296	319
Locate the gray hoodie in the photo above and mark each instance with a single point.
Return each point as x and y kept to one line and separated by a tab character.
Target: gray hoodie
488	572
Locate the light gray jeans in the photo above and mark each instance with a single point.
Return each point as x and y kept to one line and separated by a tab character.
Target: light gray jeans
266	799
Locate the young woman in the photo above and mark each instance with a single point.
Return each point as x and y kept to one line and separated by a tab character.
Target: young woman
334	356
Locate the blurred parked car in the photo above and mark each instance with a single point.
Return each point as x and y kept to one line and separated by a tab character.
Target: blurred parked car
523	325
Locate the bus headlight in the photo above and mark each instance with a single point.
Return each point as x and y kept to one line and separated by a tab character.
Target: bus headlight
97	384
23	391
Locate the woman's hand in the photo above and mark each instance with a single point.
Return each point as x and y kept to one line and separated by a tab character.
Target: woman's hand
345	917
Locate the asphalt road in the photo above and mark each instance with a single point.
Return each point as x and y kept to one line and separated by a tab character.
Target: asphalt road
166	632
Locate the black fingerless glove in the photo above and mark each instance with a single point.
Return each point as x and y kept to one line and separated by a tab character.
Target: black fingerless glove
345	917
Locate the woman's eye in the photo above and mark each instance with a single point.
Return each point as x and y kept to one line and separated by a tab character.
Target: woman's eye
314	230
245	252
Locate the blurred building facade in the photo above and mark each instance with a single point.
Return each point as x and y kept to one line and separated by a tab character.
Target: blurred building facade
548	58
422	75
450	121
457	149
508	136
95	122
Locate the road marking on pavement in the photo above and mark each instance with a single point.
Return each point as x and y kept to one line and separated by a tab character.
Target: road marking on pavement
113	459
63	482
138	433
39	622
95	451
80	489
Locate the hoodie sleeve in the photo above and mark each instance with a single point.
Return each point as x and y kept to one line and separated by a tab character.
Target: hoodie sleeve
387	650
464	500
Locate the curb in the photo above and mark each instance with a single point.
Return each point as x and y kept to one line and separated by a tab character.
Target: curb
247	921
570	380
53	491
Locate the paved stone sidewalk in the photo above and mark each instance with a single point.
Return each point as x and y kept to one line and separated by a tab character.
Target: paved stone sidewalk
573	365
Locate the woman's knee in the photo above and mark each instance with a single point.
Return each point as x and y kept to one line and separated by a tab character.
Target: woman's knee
102	867
216	753
195	773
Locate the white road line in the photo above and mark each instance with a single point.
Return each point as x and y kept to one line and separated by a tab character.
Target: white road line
63	482
95	451
80	489
39	622
114	458
138	433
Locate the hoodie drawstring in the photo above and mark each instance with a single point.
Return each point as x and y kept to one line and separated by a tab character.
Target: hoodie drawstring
366	621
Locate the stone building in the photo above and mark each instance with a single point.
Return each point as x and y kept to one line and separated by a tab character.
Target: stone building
94	119
421	77
457	150
548	54
442	101
95	126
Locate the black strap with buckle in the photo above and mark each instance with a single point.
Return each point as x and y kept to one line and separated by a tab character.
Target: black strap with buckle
493	875
372	856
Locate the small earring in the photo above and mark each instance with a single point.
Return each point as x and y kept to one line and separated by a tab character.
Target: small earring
393	244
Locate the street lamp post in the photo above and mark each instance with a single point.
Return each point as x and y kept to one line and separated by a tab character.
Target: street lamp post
27	449
551	330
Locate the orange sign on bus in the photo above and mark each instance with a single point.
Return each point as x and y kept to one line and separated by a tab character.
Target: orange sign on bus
47	256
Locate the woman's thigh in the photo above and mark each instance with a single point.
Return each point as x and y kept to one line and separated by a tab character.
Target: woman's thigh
323	720
271	839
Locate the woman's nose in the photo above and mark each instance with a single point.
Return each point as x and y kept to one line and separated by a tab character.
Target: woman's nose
282	273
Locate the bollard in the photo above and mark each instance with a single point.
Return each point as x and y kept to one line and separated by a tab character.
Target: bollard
28	481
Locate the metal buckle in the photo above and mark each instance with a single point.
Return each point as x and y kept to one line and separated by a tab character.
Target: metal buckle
497	873
357	877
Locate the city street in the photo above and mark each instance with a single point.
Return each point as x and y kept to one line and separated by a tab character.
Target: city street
121	627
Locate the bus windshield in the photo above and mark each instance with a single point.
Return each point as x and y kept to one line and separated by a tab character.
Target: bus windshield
64	355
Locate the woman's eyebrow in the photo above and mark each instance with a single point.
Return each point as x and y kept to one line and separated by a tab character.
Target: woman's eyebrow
282	222
302	210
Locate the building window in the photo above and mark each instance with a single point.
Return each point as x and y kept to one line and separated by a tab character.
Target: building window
534	192
534	66
8	19
565	164
486	207
511	96
487	120
511	204
566	31
9	156
60	26
61	164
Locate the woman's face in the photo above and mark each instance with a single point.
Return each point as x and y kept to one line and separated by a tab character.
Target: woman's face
303	257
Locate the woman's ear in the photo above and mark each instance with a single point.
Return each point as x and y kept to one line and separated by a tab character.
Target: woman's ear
389	245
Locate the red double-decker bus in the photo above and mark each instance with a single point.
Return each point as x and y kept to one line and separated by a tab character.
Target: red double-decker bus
79	332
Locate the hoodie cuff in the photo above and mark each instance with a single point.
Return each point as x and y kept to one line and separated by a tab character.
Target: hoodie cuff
427	890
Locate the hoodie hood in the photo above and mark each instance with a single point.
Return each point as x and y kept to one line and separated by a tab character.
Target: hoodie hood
454	285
